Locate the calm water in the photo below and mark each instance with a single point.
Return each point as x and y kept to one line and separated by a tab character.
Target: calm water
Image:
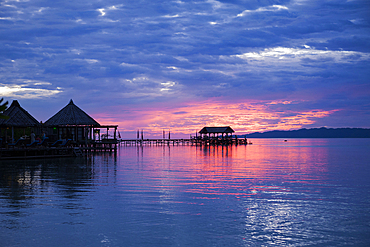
304	192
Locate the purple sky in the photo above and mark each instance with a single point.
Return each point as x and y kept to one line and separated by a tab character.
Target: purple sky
180	65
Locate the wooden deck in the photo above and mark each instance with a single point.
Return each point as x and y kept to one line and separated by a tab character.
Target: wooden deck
198	142
81	150
33	153
24	152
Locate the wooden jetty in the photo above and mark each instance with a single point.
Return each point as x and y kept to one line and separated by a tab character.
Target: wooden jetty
208	136
192	141
73	150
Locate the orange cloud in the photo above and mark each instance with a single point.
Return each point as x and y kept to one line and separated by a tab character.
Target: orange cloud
245	117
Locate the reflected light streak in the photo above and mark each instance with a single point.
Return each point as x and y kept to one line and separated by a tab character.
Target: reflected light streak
275	172
244	161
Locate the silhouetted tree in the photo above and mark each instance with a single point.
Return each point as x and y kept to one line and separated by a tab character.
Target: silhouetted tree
2	109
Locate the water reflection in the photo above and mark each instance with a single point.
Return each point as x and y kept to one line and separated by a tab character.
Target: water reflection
28	185
252	170
291	193
242	171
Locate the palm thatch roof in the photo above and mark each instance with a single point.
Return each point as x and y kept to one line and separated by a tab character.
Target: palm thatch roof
71	115
18	117
216	130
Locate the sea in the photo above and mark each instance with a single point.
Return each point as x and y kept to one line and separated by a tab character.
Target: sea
274	192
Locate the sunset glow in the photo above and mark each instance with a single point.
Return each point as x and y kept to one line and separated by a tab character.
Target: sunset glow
242	117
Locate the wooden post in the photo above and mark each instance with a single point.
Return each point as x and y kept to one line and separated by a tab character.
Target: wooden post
86	133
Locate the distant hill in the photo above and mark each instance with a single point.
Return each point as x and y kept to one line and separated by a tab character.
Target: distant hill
314	133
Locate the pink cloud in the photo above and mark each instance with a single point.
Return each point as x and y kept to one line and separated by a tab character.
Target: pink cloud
243	117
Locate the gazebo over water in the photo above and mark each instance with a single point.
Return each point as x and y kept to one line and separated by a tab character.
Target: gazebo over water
73	123
208	131
19	119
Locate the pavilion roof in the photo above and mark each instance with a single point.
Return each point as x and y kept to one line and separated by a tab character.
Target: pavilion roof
71	115
18	117
216	130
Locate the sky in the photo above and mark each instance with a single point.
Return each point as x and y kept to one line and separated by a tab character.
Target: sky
254	65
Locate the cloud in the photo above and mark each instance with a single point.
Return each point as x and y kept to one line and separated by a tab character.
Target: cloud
264	9
155	53
297	54
243	117
19	92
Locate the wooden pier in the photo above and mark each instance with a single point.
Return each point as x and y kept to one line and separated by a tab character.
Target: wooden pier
74	150
193	141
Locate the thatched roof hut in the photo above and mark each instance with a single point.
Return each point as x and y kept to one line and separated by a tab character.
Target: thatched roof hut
18	117
73	123
225	130
216	130
71	115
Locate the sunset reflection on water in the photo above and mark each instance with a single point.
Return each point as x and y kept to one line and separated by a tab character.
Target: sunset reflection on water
242	171
303	191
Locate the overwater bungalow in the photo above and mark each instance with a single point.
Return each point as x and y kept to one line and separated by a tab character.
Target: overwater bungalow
70	132
19	124
219	136
207	132
73	123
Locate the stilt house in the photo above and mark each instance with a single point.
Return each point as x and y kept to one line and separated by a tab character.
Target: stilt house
207	132
20	123
73	123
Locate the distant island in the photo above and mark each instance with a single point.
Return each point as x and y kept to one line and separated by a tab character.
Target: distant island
313	133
